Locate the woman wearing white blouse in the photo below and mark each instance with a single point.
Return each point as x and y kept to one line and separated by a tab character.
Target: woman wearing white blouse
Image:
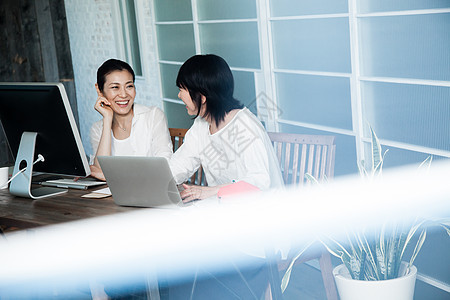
231	145
126	128
228	141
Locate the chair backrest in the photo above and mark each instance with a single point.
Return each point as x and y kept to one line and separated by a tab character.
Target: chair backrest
177	137
299	154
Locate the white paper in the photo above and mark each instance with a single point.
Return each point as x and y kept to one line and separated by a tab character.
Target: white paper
105	191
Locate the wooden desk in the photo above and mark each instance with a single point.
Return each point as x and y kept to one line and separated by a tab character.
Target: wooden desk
24	213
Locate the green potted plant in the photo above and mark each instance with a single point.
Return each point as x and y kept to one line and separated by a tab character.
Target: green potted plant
373	261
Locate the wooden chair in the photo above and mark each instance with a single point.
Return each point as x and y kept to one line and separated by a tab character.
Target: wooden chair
177	137
313	154
299	154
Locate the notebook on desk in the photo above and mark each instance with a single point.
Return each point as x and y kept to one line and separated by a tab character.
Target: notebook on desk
140	181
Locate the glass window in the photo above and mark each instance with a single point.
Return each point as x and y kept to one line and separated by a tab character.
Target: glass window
236	42
297	56
177	117
244	89
315	99
414	114
173	10
282	8
176	42
397	157
415	46
229	9
313	44
169	74
429	261
130	35
368	6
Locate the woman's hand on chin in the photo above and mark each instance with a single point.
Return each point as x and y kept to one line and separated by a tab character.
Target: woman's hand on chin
196	192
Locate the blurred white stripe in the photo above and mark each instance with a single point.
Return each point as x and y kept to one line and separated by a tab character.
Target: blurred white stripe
116	247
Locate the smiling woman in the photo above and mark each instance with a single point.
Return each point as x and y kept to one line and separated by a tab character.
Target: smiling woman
126	128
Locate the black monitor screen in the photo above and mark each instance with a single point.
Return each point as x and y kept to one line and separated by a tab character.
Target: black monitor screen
43	108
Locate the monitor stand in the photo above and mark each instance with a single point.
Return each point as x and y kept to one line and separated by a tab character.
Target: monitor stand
21	185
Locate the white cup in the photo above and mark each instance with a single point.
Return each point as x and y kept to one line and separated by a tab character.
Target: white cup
4	177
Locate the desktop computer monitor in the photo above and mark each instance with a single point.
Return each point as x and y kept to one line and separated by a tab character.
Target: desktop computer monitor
38	123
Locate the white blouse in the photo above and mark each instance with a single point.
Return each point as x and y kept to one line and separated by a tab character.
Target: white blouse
241	150
149	135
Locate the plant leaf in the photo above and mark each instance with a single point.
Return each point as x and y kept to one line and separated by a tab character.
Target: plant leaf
426	163
380	252
362	169
287	275
376	152
419	244
411	233
311	178
334	251
368	265
446	227
379	256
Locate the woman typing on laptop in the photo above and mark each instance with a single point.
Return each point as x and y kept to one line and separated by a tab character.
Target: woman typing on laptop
226	139
233	148
127	128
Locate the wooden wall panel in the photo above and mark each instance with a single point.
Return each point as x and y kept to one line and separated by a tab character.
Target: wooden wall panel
34	47
20	53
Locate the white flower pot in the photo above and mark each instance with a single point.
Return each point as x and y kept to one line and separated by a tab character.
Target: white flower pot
401	288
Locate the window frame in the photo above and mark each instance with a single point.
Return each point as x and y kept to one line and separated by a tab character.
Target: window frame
122	35
265	82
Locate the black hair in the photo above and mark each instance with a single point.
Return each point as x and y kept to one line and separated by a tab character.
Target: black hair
110	66
209	75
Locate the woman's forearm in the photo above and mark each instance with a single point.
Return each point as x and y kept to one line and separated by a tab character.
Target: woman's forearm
104	146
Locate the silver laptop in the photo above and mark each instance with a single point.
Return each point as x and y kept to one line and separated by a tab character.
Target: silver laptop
140	181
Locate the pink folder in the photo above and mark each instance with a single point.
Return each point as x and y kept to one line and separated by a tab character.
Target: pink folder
240	187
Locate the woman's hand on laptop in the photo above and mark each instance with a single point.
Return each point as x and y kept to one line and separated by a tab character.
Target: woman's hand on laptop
196	192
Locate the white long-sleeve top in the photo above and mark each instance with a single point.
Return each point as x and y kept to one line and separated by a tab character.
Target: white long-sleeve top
241	150
149	135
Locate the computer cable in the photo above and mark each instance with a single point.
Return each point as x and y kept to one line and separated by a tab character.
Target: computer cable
39	158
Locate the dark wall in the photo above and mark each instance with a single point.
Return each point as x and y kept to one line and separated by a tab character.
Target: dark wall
34	47
35	41
20	58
